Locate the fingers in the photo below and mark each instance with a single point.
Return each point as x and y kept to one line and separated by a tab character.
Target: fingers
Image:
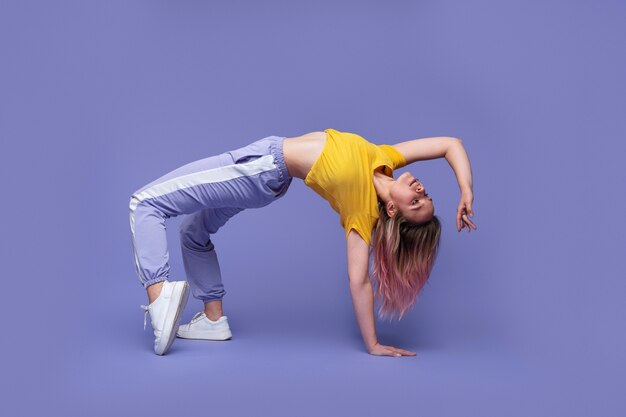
401	352
405	352
463	221
468	221
389	351
460	212
392	351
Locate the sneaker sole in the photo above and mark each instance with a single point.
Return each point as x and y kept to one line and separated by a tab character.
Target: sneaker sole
206	335
177	302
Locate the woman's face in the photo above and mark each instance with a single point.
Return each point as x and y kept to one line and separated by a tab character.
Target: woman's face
410	198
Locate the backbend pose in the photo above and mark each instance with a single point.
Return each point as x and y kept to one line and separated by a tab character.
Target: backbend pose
391	218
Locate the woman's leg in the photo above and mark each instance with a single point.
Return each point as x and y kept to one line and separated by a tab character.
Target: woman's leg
178	192
248	177
251	176
200	258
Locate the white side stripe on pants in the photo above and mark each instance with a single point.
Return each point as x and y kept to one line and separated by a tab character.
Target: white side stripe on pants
224	173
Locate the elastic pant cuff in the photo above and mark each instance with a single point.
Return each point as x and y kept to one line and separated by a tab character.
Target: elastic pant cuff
146	284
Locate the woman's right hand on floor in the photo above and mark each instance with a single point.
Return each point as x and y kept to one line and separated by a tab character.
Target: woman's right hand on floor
383	350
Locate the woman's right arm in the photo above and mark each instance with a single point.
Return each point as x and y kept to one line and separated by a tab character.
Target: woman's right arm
360	287
363	297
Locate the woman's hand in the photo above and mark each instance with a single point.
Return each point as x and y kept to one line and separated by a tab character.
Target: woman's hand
464	210
382	350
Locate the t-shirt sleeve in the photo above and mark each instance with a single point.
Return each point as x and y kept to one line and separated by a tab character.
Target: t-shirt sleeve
396	157
362	223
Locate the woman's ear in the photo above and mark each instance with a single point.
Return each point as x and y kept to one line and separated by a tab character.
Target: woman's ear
391	208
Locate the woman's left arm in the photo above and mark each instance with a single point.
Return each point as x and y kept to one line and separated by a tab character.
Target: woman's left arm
453	150
460	164
440	147
425	148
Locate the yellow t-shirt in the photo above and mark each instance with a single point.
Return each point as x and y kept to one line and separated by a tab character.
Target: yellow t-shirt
343	175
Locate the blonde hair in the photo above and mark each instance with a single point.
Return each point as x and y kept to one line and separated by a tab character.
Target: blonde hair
404	255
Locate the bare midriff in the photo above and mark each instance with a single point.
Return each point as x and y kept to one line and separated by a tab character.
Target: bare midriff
301	152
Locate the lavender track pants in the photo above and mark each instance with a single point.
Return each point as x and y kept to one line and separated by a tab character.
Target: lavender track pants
209	192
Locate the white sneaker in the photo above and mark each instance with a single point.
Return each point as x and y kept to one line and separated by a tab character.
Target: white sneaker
165	313
201	327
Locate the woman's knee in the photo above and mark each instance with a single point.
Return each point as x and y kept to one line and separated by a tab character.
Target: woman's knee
194	237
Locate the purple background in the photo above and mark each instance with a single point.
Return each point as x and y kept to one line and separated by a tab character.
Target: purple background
524	316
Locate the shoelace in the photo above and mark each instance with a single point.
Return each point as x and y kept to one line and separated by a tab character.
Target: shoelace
145	316
197	315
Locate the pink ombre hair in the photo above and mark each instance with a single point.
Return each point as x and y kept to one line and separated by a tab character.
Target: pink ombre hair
404	255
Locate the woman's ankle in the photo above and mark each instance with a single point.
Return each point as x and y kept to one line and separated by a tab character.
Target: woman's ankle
213	309
154	291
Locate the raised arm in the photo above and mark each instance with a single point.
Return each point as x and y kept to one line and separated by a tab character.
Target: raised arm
453	150
363	296
426	148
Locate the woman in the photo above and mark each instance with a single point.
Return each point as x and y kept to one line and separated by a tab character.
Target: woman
395	217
